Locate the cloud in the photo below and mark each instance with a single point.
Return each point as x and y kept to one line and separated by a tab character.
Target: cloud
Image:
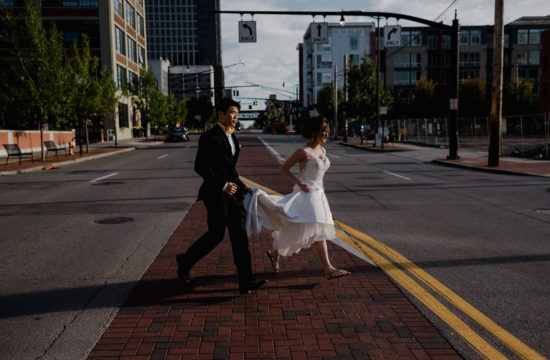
274	58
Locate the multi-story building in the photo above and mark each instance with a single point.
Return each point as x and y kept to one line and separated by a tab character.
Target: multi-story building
161	69
425	52
192	81
352	39
116	33
186	32
116	29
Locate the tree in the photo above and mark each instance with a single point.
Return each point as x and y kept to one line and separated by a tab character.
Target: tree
362	91
93	90
148	93
519	98
472	97
38	63
176	111
425	102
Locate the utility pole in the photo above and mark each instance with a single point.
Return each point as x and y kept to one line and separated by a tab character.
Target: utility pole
345	98
496	90
335	102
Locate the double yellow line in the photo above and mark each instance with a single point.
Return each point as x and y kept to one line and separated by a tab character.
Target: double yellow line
367	245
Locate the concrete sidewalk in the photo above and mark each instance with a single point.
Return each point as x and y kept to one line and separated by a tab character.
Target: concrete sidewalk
298	315
468	159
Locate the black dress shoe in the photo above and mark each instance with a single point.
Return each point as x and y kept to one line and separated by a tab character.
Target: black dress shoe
183	271
252	287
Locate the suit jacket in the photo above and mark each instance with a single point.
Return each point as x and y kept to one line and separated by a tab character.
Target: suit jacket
216	164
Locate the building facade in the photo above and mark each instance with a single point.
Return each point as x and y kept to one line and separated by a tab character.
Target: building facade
116	33
544	99
186	32
192	81
319	60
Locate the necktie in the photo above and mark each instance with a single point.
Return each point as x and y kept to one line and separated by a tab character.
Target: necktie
228	130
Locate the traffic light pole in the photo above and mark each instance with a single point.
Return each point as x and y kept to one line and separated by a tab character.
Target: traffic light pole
453	104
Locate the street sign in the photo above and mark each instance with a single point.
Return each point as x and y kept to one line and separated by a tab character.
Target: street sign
319	33
383	110
392	35
247	31
453	104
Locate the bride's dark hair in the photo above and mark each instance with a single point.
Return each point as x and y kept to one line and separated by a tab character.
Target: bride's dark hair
313	125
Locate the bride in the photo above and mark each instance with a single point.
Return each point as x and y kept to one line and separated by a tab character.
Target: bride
302	218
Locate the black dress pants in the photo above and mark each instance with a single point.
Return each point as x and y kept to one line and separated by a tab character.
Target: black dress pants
225	211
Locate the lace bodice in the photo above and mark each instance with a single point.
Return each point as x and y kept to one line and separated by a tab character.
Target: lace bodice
312	170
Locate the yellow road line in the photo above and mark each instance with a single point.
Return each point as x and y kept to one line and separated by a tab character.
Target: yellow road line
478	344
500	333
504	336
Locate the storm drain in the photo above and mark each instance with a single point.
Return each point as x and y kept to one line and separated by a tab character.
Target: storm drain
114	220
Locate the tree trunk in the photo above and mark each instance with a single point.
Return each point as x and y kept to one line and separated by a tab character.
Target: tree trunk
87	137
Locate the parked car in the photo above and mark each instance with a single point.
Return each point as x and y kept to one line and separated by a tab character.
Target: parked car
178	134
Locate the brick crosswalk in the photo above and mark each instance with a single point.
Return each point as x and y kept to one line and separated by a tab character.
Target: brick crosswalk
298	315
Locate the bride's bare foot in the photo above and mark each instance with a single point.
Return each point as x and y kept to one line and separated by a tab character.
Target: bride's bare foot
336	273
274	257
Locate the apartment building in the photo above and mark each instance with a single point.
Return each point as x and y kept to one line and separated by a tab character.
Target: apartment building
116	29
318	60
187	33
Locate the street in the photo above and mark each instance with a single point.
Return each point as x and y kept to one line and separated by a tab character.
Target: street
65	274
482	235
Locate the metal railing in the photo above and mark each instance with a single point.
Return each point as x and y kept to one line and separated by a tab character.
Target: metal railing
522	135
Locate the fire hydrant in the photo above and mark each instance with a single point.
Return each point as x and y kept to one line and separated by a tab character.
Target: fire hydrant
71	148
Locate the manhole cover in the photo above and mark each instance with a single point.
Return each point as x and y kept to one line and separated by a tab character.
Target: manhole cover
543	211
114	220
108	183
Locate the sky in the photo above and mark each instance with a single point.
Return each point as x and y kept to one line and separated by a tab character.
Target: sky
272	61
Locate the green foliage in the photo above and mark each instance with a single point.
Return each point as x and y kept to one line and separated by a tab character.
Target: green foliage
37	75
362	90
425	102
519	98
201	113
93	91
472	99
325	100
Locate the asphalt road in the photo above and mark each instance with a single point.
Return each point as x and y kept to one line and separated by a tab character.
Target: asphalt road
64	273
485	236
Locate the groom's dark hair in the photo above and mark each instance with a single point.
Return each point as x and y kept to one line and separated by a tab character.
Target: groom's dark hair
313	125
224	104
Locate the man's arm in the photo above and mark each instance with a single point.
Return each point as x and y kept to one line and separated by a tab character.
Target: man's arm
204	162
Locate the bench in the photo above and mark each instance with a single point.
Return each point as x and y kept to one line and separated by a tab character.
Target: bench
51	146
14	150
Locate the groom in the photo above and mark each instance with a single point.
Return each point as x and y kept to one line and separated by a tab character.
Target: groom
223	194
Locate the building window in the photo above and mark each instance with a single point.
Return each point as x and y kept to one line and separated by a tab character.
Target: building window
534	36
353	42
132	50
123	120
528	36
132	82
119	38
119	8
141	56
446	42
140	25
355	58
469	59
70	37
416	38
433	42
475	37
120	77
529	57
407	60
130	15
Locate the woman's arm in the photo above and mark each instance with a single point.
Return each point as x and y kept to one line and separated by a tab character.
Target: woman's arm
298	156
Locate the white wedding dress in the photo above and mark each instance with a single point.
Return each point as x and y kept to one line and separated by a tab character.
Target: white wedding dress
298	219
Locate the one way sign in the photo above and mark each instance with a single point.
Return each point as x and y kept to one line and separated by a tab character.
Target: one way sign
319	33
247	31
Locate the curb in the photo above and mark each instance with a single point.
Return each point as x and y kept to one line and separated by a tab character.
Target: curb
483	169
66	162
373	150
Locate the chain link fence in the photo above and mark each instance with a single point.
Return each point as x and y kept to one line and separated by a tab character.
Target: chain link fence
522	135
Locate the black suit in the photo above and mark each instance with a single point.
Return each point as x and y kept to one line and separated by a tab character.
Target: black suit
215	163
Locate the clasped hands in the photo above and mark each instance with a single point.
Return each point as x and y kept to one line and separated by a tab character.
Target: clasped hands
232	188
